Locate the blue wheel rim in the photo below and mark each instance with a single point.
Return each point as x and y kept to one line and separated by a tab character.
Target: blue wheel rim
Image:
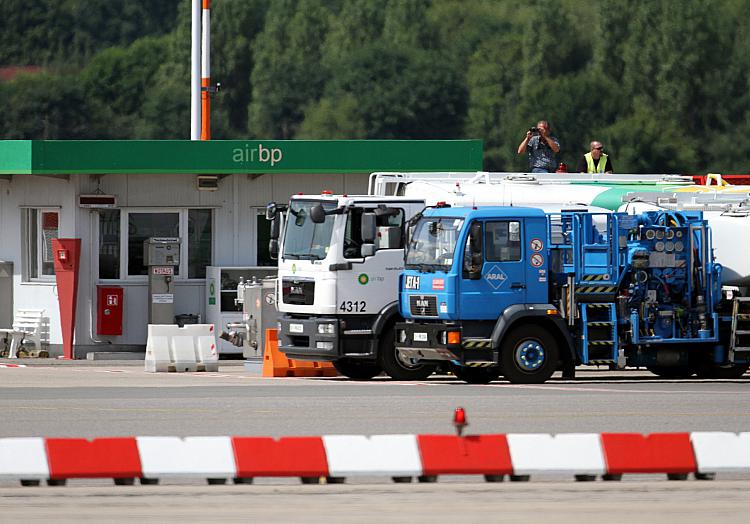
530	355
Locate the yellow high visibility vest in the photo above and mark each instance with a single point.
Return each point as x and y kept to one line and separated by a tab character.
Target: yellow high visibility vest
590	163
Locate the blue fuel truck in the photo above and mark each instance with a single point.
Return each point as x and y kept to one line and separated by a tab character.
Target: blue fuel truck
522	293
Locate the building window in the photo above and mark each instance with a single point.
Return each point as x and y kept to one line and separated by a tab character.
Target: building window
109	243
40	227
262	238
141	227
122	233
199	236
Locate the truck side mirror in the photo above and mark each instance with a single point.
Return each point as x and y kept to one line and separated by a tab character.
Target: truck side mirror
275	226
273	248
475	238
369	228
476	258
317	214
271	211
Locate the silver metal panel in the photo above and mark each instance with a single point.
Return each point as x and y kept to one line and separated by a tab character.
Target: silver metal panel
6	294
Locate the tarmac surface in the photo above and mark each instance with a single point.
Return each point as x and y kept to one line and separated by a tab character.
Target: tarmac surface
118	399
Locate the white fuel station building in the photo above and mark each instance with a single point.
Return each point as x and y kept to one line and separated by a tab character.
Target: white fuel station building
113	195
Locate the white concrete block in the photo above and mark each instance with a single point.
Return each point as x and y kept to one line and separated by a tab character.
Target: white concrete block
158	358
717	451
23	458
182	352
357	455
573	453
209	457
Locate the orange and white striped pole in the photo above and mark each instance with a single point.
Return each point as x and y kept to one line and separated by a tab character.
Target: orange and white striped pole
206	72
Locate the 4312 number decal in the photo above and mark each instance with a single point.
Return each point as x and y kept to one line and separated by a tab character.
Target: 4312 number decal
353	306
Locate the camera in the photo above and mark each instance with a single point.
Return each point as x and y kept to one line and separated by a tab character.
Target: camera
534	129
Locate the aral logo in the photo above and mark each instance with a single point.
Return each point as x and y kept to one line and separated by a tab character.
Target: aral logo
412	282
495	276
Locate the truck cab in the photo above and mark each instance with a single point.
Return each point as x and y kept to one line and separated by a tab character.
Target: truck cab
465	268
339	262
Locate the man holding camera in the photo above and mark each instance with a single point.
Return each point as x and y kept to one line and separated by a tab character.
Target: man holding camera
541	148
595	161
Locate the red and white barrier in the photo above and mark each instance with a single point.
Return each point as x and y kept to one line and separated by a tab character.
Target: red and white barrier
207	457
574	453
357	455
584	455
23	458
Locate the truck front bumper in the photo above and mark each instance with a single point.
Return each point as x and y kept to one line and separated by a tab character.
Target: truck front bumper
428	341
303	339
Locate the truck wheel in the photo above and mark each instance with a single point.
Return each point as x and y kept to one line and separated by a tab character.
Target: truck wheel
357	369
476	375
396	366
722	373
528	355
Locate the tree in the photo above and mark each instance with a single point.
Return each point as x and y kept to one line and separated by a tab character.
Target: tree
116	82
390	92
44	107
288	73
234	27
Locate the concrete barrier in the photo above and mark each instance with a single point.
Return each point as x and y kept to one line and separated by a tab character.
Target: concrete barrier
188	348
23	459
574	453
335	457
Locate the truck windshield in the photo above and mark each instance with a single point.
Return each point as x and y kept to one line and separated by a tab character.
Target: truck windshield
433	243
304	239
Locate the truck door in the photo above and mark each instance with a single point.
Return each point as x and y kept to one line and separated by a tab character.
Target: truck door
503	280
370	282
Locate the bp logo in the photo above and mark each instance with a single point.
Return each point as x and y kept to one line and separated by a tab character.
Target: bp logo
363	279
294	268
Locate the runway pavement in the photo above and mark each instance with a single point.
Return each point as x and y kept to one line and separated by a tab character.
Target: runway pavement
634	501
120	400
98	401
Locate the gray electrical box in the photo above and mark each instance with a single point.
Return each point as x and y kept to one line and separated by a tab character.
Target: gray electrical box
161	251
161	255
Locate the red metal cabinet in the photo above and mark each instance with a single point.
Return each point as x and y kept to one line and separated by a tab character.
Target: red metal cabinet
109	300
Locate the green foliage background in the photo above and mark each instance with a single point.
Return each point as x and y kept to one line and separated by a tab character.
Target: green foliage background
665	85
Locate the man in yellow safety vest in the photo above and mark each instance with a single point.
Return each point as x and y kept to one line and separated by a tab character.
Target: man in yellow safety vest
595	161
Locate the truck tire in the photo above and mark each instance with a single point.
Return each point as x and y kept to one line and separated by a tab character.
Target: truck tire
394	365
357	369
528	355
476	375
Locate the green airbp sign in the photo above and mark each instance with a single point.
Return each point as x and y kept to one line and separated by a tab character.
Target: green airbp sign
237	156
